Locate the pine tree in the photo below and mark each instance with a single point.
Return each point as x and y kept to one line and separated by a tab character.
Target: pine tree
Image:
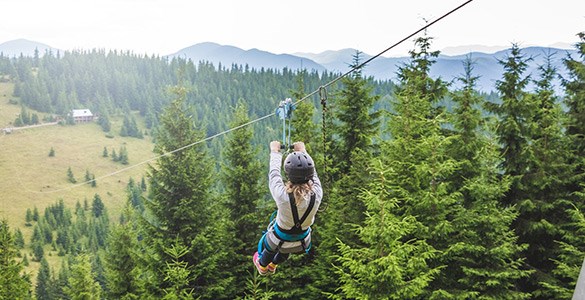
484	249
419	155
29	217
543	211
177	273
104	121
352	147
87	176
93	181
70	176
357	123
35	215
571	247
43	286
513	113
569	262
18	239
390	263
123	155
105	152
180	201
524	159
121	260
62	281
25	261
114	155
82	284
52	152
241	174
305	128
97	206
575	102
13	283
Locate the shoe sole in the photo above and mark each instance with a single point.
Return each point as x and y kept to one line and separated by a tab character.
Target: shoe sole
256	262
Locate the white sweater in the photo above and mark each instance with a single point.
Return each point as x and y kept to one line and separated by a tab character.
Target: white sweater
284	217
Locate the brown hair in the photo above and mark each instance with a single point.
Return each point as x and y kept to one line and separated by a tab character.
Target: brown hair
301	191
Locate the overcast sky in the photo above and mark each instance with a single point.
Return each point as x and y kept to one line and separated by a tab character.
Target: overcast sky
166	26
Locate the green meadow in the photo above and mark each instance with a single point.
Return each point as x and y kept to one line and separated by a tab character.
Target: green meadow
30	178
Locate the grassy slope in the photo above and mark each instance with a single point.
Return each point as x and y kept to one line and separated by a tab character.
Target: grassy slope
29	177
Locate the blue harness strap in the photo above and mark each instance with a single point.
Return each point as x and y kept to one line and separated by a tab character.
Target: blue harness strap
295	234
290	237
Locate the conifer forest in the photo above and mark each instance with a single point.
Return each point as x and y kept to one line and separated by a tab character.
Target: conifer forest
432	189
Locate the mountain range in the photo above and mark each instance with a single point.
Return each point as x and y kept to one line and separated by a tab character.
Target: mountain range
486	65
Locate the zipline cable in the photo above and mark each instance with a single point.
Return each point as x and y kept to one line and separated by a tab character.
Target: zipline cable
385	50
319	90
158	156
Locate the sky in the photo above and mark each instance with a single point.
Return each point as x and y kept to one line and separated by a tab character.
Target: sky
167	26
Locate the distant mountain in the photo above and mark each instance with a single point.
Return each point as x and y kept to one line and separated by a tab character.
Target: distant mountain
447	67
383	68
15	48
254	58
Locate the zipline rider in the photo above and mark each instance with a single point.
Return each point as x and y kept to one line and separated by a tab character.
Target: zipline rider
300	196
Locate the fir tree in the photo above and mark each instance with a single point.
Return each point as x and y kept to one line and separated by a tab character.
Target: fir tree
357	123
241	173
569	262
105	152
29	217
543	211
352	147
35	215
37	235
97	206
388	264
516	115
177	273
114	155
93	181
82	284
87	176
13	283
180	201
104	121
121	261
419	155
52	152
25	261
123	155
43	286
484	249
305	128
571	247
62	281
70	176
513	113
38	251
18	239
575	102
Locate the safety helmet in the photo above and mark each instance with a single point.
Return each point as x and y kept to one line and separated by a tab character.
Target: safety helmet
299	167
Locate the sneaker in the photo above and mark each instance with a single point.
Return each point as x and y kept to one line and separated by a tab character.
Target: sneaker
262	270
271	268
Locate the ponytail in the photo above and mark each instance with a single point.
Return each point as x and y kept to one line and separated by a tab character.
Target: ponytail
300	191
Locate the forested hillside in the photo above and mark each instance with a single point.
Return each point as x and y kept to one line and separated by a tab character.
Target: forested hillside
431	192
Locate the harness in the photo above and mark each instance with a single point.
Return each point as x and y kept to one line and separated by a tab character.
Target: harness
294	234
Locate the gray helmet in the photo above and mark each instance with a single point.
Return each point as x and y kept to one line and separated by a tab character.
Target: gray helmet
299	167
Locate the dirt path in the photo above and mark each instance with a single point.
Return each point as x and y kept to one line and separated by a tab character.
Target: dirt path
10	129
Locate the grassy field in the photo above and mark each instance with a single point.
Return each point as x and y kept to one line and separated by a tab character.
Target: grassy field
29	177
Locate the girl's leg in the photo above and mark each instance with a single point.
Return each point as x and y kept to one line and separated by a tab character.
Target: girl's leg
266	257
280	258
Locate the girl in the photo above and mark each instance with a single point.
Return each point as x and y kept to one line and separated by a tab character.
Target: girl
297	202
